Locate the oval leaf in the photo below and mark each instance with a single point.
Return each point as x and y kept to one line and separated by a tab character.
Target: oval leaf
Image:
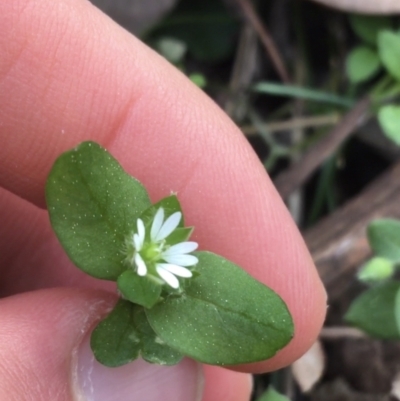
374	311
216	321
116	341
367	27
362	64
389	119
389	52
125	334
384	238
153	348
93	204
376	269
139	290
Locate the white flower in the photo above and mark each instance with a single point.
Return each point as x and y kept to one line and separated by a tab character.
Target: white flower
153	256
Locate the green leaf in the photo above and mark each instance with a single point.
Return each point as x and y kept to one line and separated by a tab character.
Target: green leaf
180	234
376	269
198	79
172	49
116	341
139	290
384	238
374	311
225	316
301	93
93	204
170	204
368	27
362	64
389	120
389	52
125	334
272	395
153	348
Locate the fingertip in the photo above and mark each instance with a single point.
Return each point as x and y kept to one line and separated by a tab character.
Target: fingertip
38	334
222	384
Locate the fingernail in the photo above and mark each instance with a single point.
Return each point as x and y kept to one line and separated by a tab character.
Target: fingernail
138	380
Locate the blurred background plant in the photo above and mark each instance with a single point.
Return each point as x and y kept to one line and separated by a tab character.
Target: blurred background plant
316	91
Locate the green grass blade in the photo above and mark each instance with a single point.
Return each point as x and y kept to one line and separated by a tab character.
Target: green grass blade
298	92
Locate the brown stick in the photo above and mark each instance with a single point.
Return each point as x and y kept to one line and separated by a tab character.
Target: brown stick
265	38
298	172
338	243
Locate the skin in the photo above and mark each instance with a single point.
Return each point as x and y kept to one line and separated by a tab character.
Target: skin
68	74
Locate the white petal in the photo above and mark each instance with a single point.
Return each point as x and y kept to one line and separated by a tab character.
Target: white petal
141	266
181	260
168	277
170	224
136	241
141	230
182	247
157	223
177	270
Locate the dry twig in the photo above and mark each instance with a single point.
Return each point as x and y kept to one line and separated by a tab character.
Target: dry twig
265	38
338	243
298	172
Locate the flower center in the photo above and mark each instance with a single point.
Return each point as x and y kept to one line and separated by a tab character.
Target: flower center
151	252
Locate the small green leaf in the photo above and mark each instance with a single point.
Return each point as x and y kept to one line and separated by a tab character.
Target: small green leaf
180	234
389	52
362	64
374	311
125	334
376	269
384	238
170	204
139	290
389	120
93	205
153	349
198	79
172	49
116	341
272	395
217	321
368	27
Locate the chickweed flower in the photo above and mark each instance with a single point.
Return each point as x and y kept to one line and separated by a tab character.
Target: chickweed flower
149	254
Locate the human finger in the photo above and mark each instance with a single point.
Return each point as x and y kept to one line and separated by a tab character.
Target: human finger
45	355
166	132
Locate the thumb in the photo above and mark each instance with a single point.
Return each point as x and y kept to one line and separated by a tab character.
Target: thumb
45	354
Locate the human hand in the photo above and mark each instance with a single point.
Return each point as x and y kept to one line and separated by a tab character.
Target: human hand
68	74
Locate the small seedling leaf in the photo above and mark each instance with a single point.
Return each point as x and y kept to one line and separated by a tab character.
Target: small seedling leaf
389	120
362	64
374	311
384	238
367	27
376	269
389	52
